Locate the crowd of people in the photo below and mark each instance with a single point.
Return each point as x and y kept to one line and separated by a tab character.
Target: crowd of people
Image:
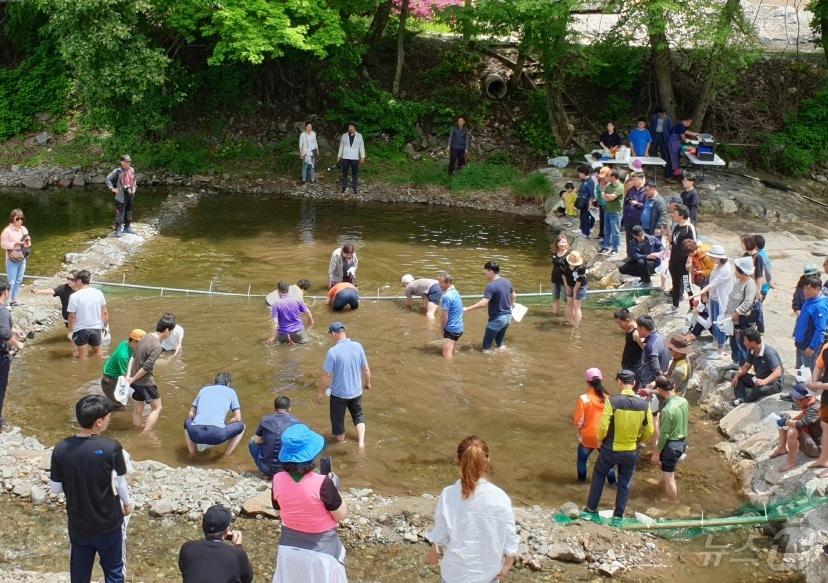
474	537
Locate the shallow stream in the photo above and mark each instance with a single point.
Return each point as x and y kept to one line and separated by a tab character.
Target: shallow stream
421	406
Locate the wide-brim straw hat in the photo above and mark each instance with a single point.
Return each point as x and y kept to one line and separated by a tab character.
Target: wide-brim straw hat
574	259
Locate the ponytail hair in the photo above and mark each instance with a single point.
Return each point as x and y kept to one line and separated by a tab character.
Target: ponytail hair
598	386
473	455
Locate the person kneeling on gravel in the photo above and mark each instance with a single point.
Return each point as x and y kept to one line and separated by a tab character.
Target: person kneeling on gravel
205	424
220	556
801	432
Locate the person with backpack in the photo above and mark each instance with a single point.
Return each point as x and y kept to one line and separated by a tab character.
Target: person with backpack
121	181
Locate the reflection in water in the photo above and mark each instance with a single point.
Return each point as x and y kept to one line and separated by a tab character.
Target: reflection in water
307	221
421	406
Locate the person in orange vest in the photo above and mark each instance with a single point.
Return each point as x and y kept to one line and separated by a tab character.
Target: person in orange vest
587	417
342	295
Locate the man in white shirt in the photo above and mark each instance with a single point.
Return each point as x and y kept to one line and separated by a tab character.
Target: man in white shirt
173	342
309	153
88	315
351	153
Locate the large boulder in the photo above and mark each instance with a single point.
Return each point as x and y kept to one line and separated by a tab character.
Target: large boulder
740	418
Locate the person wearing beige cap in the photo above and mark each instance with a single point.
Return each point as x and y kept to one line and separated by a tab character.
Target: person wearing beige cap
428	290
742	308
116	366
575	287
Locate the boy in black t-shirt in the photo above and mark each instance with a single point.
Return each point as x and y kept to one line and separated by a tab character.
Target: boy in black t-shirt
82	467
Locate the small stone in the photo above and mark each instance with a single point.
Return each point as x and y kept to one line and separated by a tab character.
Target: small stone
821	178
570	510
22	489
566	553
161	508
78	181
42	138
411	537
34	183
611	569
39	495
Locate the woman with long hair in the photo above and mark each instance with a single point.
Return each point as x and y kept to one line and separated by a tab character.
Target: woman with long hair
562	249
16	242
587	417
474	536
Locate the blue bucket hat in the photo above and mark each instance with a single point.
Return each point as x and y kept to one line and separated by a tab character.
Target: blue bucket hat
799	392
300	444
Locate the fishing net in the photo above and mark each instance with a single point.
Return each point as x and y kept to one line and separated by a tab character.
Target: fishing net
747	515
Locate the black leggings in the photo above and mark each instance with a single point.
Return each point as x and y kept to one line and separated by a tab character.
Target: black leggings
678	273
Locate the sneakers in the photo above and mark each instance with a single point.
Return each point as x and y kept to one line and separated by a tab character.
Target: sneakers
604	251
737	402
129	230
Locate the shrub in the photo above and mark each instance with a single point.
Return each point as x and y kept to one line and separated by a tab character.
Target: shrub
37	84
802	141
378	112
483	176
535	130
534	186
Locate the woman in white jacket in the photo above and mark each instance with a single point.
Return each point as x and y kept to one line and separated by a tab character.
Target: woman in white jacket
718	288
309	153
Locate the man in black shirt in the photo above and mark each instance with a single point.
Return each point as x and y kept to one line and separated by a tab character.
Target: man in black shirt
82	468
62	292
631	357
219	558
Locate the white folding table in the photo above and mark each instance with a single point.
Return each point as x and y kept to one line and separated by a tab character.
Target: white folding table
716	162
645	161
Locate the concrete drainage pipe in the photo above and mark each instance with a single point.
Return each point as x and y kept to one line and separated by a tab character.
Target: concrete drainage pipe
495	86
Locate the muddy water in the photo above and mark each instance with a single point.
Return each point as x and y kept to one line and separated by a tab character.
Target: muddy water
420	406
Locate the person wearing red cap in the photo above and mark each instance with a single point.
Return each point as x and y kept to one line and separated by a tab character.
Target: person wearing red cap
587	417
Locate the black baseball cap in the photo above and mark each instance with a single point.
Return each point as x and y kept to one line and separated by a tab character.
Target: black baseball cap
626	376
216	519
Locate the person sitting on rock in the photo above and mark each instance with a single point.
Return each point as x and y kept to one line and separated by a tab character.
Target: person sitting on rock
767	367
644	256
205	424
801	432
220	556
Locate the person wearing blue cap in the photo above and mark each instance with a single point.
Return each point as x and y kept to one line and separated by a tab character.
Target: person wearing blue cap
801	432
345	373
310	508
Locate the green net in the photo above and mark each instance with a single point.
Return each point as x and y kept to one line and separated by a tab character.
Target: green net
746	516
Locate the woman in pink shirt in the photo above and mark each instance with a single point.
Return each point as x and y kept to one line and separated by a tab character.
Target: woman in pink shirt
15	241
310	508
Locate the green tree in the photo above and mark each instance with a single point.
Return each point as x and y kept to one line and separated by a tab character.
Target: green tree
115	67
819	8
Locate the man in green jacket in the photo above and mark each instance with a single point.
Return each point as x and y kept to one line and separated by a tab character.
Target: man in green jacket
614	205
626	422
116	366
672	438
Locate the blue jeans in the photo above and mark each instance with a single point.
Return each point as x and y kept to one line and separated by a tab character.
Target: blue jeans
308	172
583	456
715	312
109	546
612	231
809	361
14	272
496	330
345	298
607	460
256	454
738	352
